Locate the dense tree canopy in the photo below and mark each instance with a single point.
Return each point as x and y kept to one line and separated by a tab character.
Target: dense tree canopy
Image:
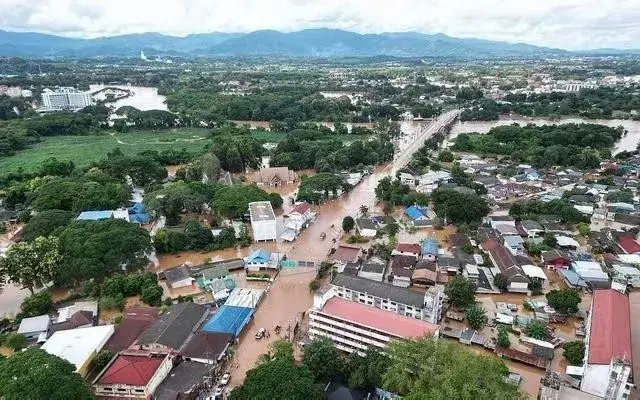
233	201
322	186
38	375
461	292
45	223
578	145
278	377
173	199
476	317
37	304
322	358
459	207
533	209
565	301
574	352
97	249
32	264
437	369
79	194
142	170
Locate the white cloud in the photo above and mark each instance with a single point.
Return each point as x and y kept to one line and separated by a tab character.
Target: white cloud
573	24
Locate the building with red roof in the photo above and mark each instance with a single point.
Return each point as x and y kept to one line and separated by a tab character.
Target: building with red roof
407	249
502	259
353	326
135	320
629	245
133	375
608	357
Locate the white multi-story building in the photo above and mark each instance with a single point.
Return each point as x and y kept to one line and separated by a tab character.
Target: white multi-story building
65	98
354	327
263	221
403	301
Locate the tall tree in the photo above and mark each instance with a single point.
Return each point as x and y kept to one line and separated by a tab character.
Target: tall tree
436	369
476	317
37	304
38	375
565	301
278	377
365	372
45	223
322	359
34	264
461	292
348	223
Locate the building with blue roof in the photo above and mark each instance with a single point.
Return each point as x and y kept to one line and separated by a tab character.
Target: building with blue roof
262	259
429	249
415	213
229	319
138	214
572	279
103	215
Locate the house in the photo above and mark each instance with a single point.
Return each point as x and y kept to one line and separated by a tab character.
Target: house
344	255
401	270
407	249
427	307
366	227
300	217
416	214
535	274
572	280
494	220
173	328
79	319
275	176
183	382
566	242
354	327
471	272
407	179
133	375
263	221
608	352
592	273
8	217
79	346
207	347
505	261
373	269
261	259
138	214
179	277
532	228
514	244
628	245
449	265
103	215
429	249
35	328
506	229
555	259
135	321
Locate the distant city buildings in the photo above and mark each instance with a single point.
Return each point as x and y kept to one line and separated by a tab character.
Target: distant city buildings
65	98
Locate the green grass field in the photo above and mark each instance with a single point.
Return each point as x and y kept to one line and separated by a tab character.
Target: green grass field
83	150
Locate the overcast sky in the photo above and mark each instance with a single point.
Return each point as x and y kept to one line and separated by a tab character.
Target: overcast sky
570	24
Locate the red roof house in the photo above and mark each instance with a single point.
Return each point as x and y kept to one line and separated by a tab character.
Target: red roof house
134	322
133	374
301	208
408	249
610	334
629	245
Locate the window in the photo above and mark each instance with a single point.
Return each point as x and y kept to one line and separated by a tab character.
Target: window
393	304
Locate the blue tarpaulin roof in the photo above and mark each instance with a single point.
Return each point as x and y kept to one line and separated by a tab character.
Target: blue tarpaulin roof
229	319
136	208
572	278
429	246
259	256
414	213
139	218
94	215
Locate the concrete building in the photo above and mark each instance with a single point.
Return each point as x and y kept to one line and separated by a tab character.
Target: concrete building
65	98
608	358
263	221
403	301
35	328
354	327
502	259
133	375
79	346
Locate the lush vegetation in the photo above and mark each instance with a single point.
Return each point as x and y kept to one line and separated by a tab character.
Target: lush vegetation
534	209
565	301
578	145
38	375
461	292
459	207
322	186
476	317
574	352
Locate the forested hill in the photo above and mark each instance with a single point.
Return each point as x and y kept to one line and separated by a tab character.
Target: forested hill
305	43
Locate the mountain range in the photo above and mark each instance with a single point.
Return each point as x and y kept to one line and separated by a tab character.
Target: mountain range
305	43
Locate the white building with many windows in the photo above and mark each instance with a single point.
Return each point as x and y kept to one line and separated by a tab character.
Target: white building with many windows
403	301
354	327
65	98
263	221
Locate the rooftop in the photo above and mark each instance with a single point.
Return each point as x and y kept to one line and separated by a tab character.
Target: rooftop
134	322
346	254
182	378
206	345
505	261
78	345
610	335
379	289
134	370
261	211
408	248
301	208
372	317
174	327
177	274
629	245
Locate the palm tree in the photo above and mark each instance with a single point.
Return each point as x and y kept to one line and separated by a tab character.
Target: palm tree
364	210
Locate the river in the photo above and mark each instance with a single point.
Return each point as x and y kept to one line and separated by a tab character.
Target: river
143	98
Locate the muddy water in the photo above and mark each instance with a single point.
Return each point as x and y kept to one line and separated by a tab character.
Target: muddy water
265	124
11	297
628	142
143	98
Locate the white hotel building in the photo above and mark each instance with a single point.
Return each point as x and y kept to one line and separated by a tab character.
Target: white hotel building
65	98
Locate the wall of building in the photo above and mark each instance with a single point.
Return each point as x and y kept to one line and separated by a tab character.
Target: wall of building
264	230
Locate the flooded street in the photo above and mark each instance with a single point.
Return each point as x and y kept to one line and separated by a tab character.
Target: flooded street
628	142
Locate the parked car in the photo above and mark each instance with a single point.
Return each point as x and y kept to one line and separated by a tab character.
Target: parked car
260	333
225	379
